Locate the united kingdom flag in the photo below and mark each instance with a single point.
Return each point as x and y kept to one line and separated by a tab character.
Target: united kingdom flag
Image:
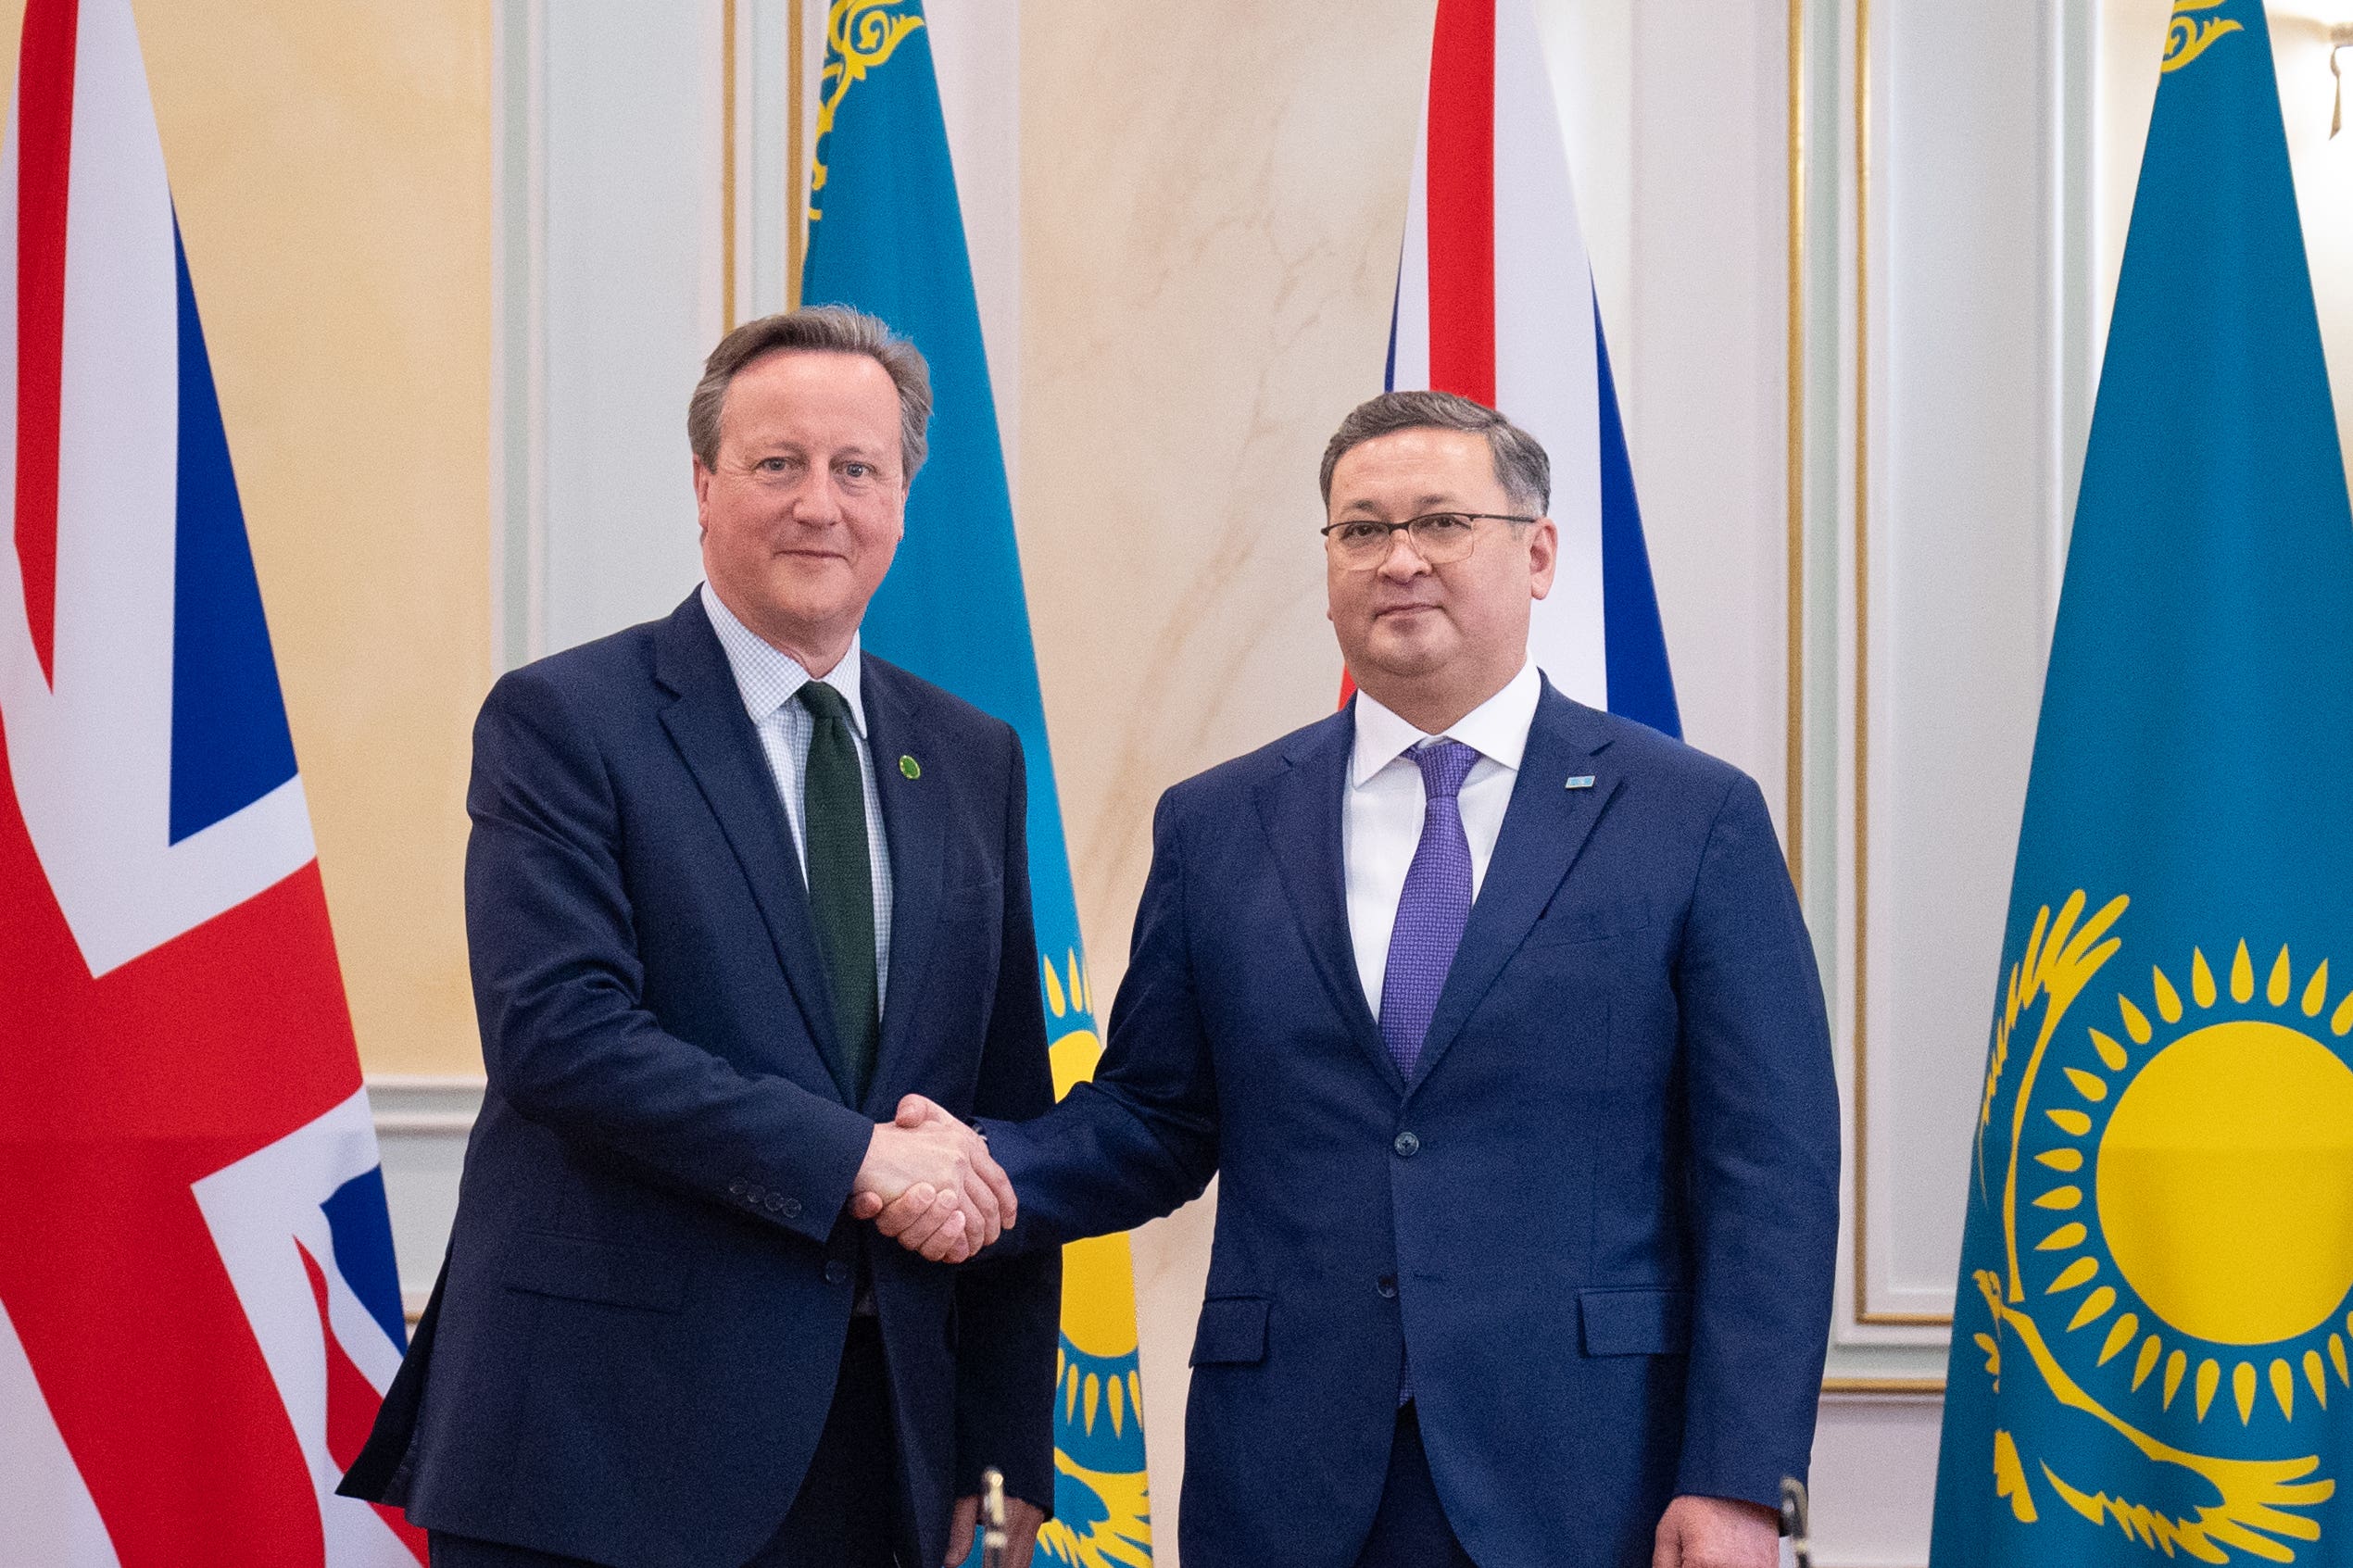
198	1308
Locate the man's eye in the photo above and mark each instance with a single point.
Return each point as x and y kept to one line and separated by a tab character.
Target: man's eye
858	470
1361	532
1442	525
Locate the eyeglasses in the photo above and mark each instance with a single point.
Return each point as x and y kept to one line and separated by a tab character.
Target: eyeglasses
1361	544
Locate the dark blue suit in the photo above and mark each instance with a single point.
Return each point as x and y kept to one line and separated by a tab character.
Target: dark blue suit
1601	1216
634	1342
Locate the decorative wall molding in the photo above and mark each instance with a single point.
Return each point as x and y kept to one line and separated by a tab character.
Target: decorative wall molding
1940	389
422	1125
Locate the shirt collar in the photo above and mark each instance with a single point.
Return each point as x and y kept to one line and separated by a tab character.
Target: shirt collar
1497	729
767	678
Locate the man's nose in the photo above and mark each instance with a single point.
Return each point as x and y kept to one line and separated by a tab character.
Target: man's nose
1403	563
814	501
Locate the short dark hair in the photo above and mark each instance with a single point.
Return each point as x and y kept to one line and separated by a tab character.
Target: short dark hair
815	329
1521	466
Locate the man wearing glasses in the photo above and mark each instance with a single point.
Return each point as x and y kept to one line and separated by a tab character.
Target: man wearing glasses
1498	1018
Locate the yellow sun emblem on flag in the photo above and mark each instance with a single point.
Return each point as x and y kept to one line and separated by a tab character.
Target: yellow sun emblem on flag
2176	1209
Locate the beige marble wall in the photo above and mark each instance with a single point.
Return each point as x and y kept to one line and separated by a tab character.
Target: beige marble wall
330	169
1212	196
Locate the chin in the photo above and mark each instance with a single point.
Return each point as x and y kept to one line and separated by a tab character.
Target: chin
1407	658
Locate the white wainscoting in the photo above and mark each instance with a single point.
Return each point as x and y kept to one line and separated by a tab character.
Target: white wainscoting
1874	1456
422	1125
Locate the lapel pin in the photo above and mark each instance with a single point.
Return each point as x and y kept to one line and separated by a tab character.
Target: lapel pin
1582	781
913	770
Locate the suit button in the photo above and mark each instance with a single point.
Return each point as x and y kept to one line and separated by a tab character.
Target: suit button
775	1204
1387	1287
737	1186
837	1272
790	1208
754	1194
1407	1146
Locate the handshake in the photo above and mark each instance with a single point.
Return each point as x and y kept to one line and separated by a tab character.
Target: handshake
927	1182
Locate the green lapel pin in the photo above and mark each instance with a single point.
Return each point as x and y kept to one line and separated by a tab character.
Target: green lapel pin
910	767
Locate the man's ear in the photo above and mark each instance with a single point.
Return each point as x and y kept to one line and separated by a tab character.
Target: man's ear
1544	557
702	491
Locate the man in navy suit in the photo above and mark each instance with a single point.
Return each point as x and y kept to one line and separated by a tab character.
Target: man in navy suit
735	888
1497	1018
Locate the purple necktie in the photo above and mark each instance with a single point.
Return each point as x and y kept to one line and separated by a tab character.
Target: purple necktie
1432	910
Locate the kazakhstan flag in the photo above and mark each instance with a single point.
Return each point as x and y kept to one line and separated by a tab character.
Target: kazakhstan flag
2150	1343
886	236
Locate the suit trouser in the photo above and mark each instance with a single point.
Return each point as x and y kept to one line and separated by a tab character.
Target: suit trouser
1410	1529
853	1511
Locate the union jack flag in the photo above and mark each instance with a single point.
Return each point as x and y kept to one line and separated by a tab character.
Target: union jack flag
198	1306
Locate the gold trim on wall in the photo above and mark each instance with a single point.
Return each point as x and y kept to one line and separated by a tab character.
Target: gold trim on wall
795	162
1885	1388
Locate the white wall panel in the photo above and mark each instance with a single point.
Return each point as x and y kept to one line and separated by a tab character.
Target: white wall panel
1960	512
632	216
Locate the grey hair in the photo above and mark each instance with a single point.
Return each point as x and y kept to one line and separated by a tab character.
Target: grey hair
1521	466
815	329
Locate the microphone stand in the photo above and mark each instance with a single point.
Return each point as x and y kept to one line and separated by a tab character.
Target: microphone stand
992	1518
1795	1522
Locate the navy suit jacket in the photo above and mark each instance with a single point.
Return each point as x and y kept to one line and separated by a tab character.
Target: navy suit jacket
633	1345
1599	1218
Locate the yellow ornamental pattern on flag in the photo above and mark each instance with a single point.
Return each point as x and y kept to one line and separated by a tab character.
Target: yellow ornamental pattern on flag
1099	1409
860	36
2188	36
2183	1248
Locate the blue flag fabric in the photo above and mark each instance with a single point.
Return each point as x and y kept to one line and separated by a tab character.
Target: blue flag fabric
886	236
2151	1335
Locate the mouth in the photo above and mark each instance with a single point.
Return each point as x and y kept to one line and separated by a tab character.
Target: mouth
1404	611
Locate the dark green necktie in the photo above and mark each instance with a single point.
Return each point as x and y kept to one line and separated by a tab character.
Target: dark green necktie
841	887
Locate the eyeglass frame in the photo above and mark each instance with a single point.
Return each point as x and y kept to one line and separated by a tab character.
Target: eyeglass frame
1388	543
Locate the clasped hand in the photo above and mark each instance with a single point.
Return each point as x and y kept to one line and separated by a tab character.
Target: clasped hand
929	1184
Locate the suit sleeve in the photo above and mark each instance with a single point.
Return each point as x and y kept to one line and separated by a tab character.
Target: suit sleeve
1140	1139
1008	1309
559	985
1764	1139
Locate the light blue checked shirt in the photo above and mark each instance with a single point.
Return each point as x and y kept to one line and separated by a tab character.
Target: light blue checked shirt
768	681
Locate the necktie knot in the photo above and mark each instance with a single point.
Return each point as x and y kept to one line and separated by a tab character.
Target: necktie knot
824	702
1444	765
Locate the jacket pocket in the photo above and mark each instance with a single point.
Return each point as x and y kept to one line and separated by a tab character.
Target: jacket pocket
1562	927
1232	1333
580	1270
1636	1323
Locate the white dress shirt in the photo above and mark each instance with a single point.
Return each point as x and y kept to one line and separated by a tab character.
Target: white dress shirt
1381	812
768	681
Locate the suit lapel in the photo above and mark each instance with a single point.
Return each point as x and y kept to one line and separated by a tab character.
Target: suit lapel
1544	827
1300	809
721	748
916	828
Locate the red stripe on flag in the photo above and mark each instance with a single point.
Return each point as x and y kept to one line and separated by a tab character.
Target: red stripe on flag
1461	200
352	1402
45	131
